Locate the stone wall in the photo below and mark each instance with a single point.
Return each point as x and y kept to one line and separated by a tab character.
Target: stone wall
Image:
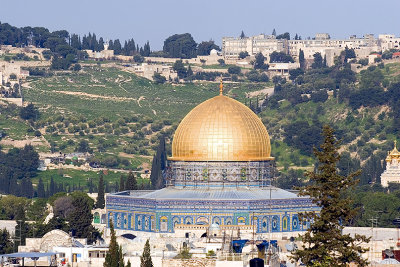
195	262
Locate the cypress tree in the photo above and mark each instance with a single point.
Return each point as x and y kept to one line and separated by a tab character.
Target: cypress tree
52	187
120	257
302	60
100	193
324	242
112	256
121	183
158	165
40	189
145	259
131	183
21	229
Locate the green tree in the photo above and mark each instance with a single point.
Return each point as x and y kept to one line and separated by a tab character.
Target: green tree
131	183
121	183
204	48
259	63
30	112
302	60
100	193
318	61
243	54
285	35
77	67
180	69
40	189
6	245
145	259
189	71
158	78
158	165
324	241
180	46
234	70
138	58
80	219
280	57
22	228
114	257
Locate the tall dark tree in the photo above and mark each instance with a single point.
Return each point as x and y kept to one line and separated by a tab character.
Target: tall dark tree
26	188
158	165
6	245
100	193
259	63
179	67
318	61
302	60
121	183
131	183
40	189
80	219
22	228
242	35
52	188
324	242
113	254
146	49
117	47
145	259
274	32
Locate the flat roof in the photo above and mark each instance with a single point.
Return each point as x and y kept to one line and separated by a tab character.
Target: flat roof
28	254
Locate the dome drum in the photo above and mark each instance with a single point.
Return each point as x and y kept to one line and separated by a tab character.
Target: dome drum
219	174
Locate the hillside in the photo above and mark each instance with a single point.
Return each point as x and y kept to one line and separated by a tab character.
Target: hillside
119	116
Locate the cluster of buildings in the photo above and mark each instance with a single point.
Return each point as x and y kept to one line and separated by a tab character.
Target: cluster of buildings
321	43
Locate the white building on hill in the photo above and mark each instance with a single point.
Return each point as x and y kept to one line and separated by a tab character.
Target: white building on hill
392	172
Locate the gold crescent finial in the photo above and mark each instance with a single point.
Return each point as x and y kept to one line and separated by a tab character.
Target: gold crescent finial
221	87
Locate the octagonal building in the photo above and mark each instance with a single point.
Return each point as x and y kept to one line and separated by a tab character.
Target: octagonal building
220	173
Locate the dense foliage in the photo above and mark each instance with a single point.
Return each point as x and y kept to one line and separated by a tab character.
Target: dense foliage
17	167
180	46
324	242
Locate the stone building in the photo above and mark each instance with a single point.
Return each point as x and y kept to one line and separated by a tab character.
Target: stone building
266	44
321	43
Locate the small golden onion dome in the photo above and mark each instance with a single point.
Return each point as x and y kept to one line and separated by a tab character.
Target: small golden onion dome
221	129
394	154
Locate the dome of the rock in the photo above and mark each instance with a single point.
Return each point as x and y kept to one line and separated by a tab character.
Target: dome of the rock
221	129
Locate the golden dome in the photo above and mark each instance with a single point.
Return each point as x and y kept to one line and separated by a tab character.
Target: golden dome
394	154
221	129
